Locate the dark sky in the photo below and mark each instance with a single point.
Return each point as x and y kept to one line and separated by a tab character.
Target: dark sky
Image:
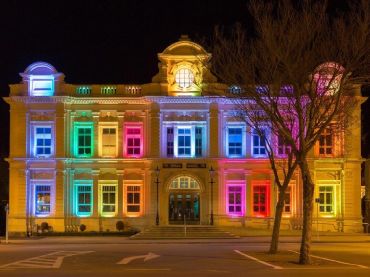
102	41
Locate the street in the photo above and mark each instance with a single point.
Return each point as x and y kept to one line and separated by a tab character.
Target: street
122	257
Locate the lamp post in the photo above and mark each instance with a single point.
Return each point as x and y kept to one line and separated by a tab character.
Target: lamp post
211	174
157	182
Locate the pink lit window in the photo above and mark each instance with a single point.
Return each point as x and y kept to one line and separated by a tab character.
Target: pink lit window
261	200
235	200
133	141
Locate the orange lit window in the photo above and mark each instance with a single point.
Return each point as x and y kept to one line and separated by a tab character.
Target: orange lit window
326	142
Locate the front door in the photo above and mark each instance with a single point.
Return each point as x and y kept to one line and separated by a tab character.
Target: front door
184	207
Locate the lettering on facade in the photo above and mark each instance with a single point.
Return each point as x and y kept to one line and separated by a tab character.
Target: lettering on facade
192	165
172	165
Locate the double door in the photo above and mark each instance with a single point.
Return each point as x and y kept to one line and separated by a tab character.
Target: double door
184	207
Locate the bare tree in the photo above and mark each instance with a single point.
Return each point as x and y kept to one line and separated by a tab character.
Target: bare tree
310	65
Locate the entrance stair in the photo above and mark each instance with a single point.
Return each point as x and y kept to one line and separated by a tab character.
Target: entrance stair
183	232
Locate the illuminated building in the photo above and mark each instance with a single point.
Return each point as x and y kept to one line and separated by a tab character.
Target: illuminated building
87	154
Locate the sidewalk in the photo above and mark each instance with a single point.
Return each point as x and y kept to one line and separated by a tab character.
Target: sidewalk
322	238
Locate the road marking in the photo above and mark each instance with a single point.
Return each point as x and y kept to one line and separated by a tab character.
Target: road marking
332	260
51	260
149	269
257	260
146	257
218	271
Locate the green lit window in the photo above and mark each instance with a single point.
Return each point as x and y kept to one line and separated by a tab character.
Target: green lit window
84	146
326	196
83	198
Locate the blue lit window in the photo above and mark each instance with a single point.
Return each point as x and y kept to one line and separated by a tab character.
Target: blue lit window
41	85
184	141
83	198
258	144
235	141
43	141
42	199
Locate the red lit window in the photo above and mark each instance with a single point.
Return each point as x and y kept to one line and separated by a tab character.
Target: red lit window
133	141
261	200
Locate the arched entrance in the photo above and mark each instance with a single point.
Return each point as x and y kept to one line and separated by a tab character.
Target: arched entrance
184	201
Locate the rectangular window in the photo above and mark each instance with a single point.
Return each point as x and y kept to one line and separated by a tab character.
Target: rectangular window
43	141
42	197
170	139
133	141
41	85
133	199
83	199
109	142
326	196
84	142
198	141
287	200
326	142
235	141
108	200
235	200
260	200
184	142
283	149
258	144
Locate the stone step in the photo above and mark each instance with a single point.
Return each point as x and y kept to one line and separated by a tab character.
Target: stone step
178	232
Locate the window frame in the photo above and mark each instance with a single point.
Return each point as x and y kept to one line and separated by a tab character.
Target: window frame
266	185
83	183
194	139
242	205
108	183
133	183
235	125
253	134
184	80
33	138
328	131
107	125
42	182
83	125
133	125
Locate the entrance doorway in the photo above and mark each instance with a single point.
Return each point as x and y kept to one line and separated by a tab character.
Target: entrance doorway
184	201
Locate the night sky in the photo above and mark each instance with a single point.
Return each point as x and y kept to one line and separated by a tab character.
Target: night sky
101	41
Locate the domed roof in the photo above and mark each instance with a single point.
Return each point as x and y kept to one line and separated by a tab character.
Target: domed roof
184	47
40	68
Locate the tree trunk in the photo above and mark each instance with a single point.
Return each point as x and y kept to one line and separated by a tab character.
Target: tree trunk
277	222
308	191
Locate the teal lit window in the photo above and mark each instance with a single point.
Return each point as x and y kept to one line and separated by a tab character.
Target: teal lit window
83	198
84	90
84	139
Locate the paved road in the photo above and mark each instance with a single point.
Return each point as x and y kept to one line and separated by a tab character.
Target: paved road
107	257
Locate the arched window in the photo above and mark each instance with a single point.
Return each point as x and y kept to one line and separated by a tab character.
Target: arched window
184	182
328	78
